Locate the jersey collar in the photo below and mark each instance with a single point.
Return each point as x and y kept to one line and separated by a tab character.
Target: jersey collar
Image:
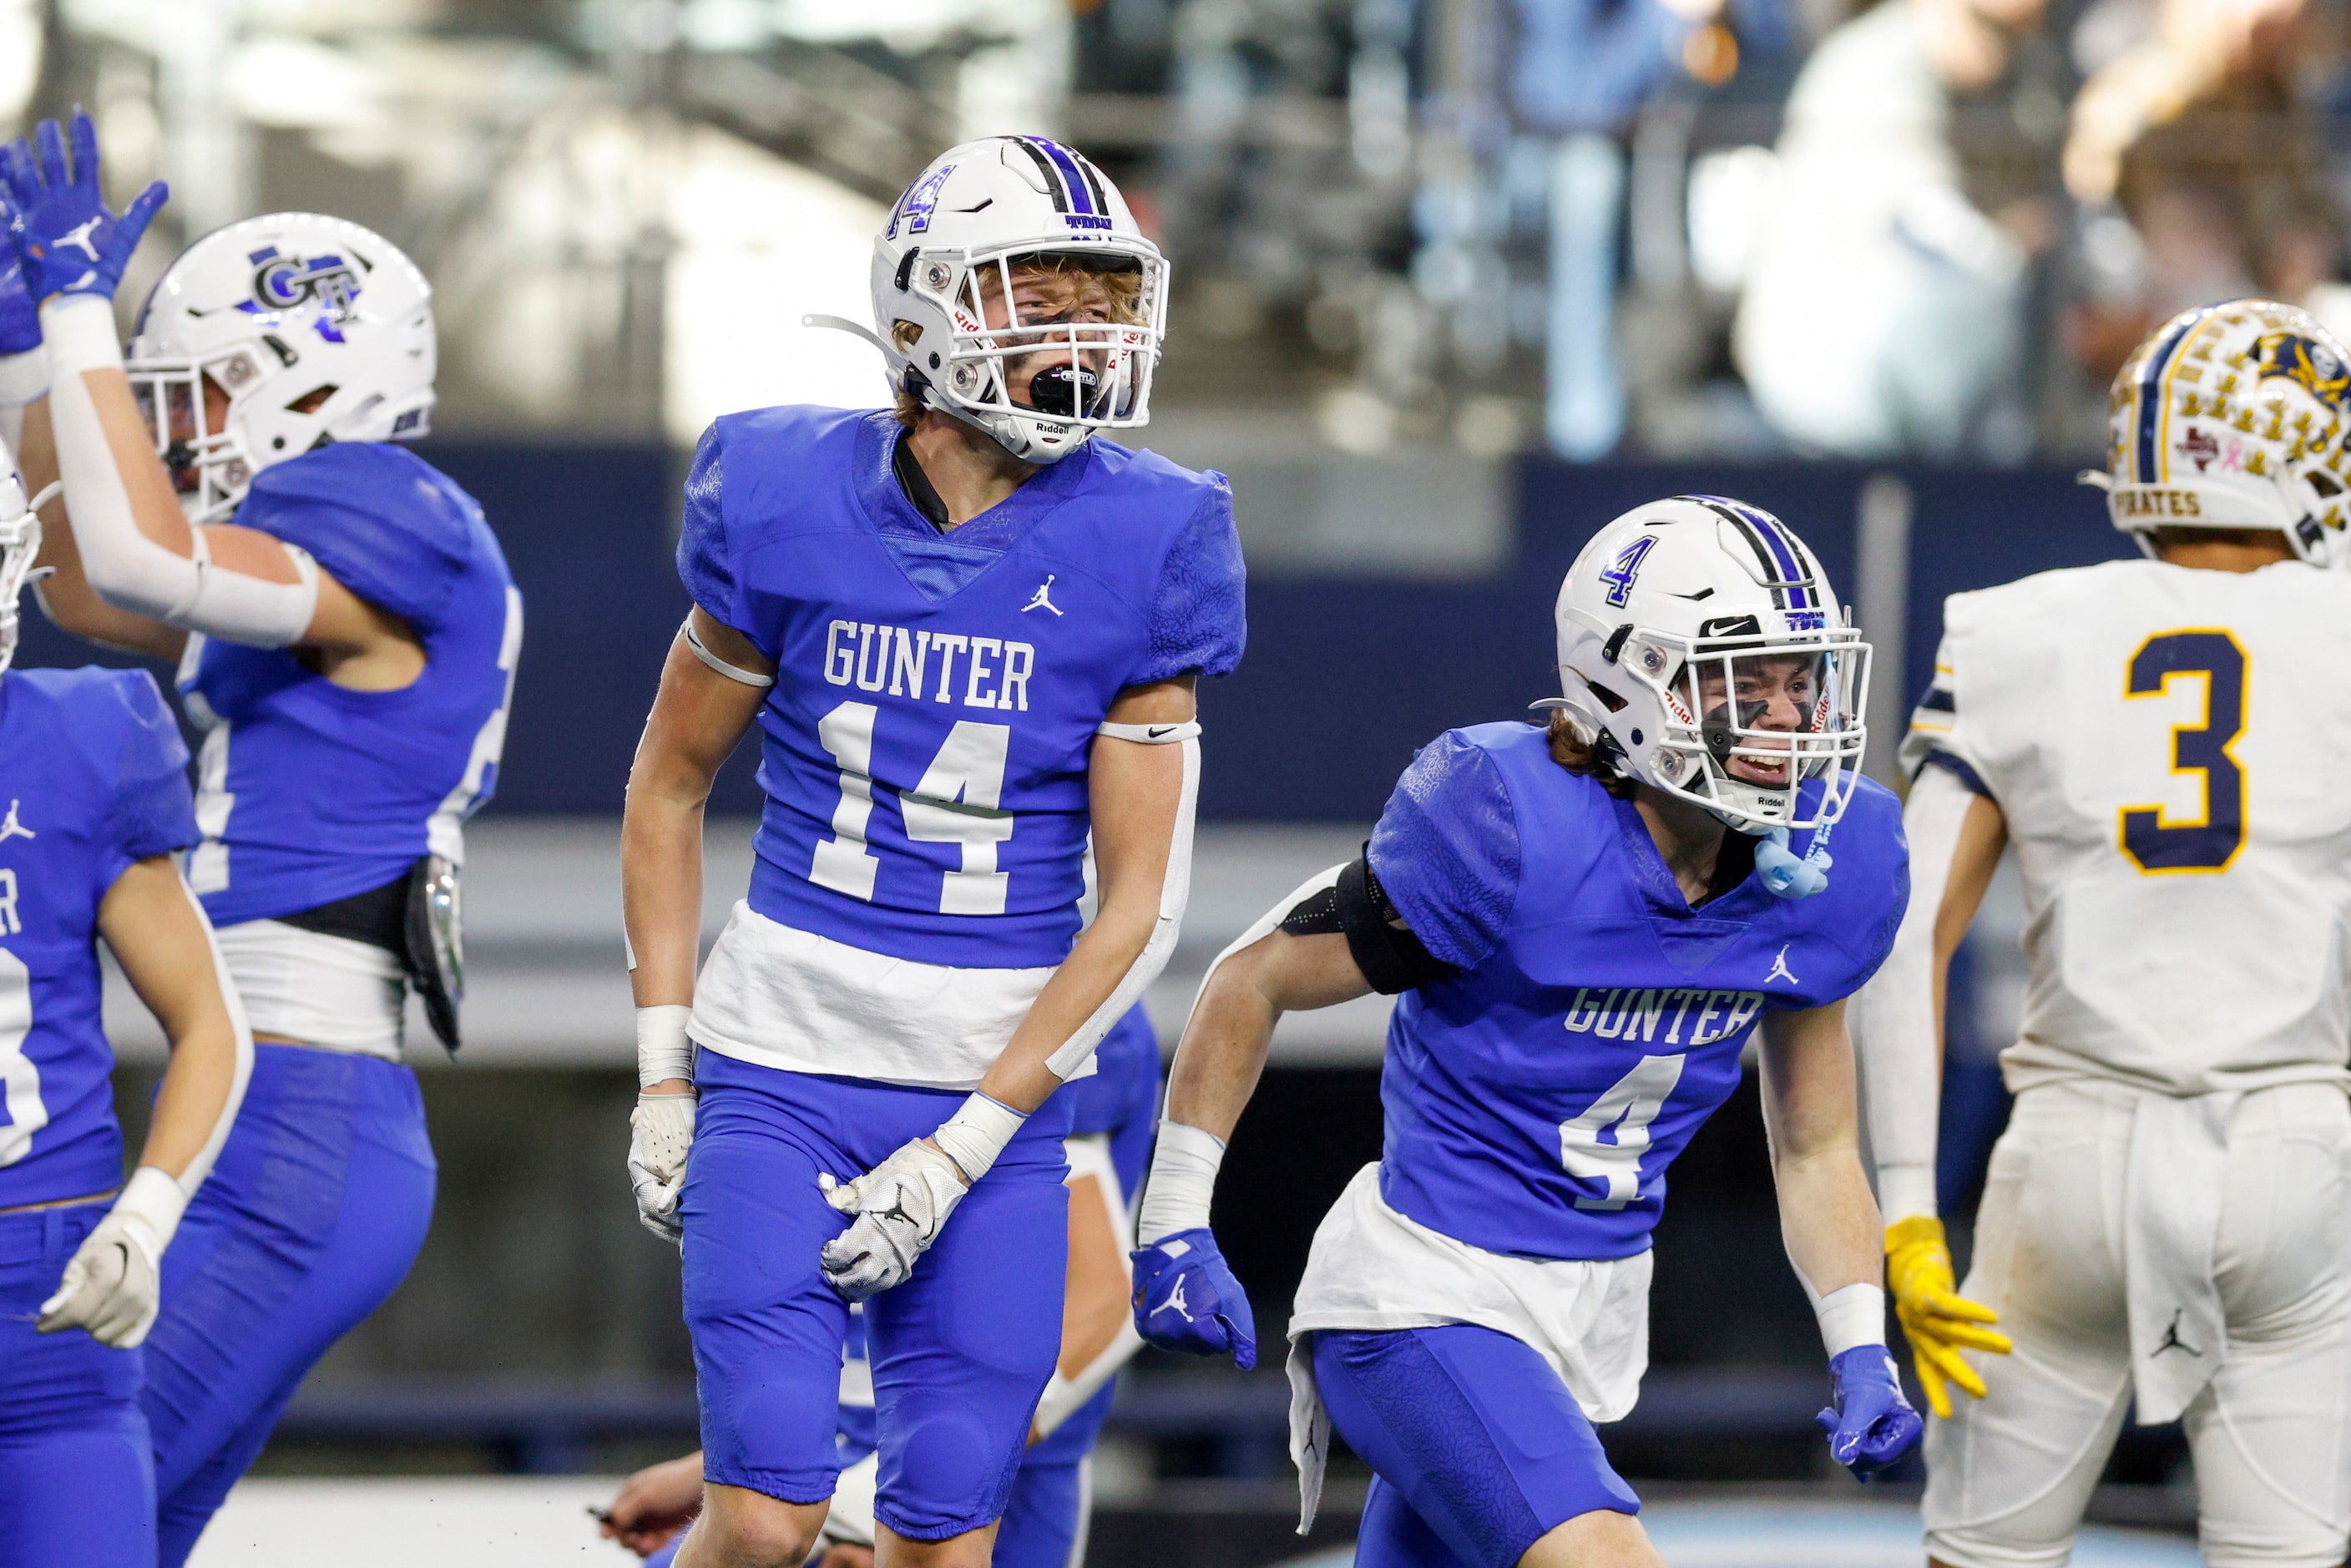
997	529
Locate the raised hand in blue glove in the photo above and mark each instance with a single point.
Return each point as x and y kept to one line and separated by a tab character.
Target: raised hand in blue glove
69	239
1186	1299
20	318
1870	1424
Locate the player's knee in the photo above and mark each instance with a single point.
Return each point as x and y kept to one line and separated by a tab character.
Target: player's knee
744	1529
952	1469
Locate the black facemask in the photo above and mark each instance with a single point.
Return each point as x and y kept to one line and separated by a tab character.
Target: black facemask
1063	391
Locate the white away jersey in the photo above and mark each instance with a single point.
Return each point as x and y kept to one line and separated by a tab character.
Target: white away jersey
2167	745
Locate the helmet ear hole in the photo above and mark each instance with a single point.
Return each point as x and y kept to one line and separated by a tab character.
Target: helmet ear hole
1615	703
312	400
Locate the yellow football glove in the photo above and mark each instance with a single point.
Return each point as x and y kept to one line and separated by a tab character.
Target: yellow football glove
1937	1321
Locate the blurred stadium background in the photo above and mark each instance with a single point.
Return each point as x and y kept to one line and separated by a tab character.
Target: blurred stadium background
1456	280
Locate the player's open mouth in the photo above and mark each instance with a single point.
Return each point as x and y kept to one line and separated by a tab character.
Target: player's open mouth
1754	770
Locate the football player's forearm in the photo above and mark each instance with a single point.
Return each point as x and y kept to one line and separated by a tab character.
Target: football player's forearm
1104	954
697	717
1223	1051
1829	1221
158	932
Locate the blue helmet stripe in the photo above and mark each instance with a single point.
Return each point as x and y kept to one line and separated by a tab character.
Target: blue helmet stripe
1080	199
2151	394
1775	534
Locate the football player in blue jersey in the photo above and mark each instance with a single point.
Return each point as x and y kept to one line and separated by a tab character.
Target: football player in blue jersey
94	779
346	631
969	633
1044	1526
1584	927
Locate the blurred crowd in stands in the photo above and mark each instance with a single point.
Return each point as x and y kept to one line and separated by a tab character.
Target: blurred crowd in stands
1914	228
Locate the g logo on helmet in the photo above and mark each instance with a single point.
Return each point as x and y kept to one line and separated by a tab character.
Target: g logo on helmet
2312	365
282	282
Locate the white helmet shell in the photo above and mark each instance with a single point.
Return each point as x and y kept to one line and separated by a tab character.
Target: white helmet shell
2230	416
1668	619
976	211
317	329
20	542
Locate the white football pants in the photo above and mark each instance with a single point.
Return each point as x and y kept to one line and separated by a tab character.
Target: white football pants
2008	1476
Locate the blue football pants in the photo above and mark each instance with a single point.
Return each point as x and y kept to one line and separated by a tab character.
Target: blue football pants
76	1474
1478	1448
316	1208
960	1352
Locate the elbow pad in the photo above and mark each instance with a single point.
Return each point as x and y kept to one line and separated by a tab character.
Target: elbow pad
130	570
1175	892
1355	905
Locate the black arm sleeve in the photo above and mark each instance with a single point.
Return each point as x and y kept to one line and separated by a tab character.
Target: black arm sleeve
1391	957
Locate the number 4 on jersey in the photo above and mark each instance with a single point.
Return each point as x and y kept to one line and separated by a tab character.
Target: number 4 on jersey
1629	1105
954	803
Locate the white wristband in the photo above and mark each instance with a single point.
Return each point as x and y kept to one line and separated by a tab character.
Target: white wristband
663	1051
1905	1192
977	1133
153	1196
77	329
24	378
1182	1183
1854	1315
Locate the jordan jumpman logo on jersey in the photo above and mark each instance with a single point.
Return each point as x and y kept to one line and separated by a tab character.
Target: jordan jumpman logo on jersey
1043	598
10	827
1780	970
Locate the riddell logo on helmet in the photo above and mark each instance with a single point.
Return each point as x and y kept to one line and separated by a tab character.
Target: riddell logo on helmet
2153	503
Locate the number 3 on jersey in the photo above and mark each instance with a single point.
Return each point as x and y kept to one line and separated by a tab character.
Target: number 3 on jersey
954	803
2156	843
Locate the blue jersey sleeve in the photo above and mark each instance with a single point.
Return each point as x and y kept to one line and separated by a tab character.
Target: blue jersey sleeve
702	560
377	518
1447	851
1198	621
153	811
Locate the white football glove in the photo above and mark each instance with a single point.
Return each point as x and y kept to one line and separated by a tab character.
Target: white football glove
900	1205
851	1519
114	1284
661	1131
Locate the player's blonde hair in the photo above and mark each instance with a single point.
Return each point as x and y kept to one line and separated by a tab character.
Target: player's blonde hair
1575	751
1119	294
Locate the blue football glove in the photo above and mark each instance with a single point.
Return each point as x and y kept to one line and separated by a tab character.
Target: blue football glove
68	240
20	323
1186	1299
1870	1424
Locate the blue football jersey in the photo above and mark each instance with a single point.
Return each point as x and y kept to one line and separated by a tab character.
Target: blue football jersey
1533	1100
925	746
309	792
94	777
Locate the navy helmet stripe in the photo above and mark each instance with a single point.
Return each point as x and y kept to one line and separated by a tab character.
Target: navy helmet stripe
1730	513
2151	394
1775	534
1054	185
1082	199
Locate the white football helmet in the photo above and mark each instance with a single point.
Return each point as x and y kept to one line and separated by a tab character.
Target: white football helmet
20	541
315	329
2230	416
979	210
1702	648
